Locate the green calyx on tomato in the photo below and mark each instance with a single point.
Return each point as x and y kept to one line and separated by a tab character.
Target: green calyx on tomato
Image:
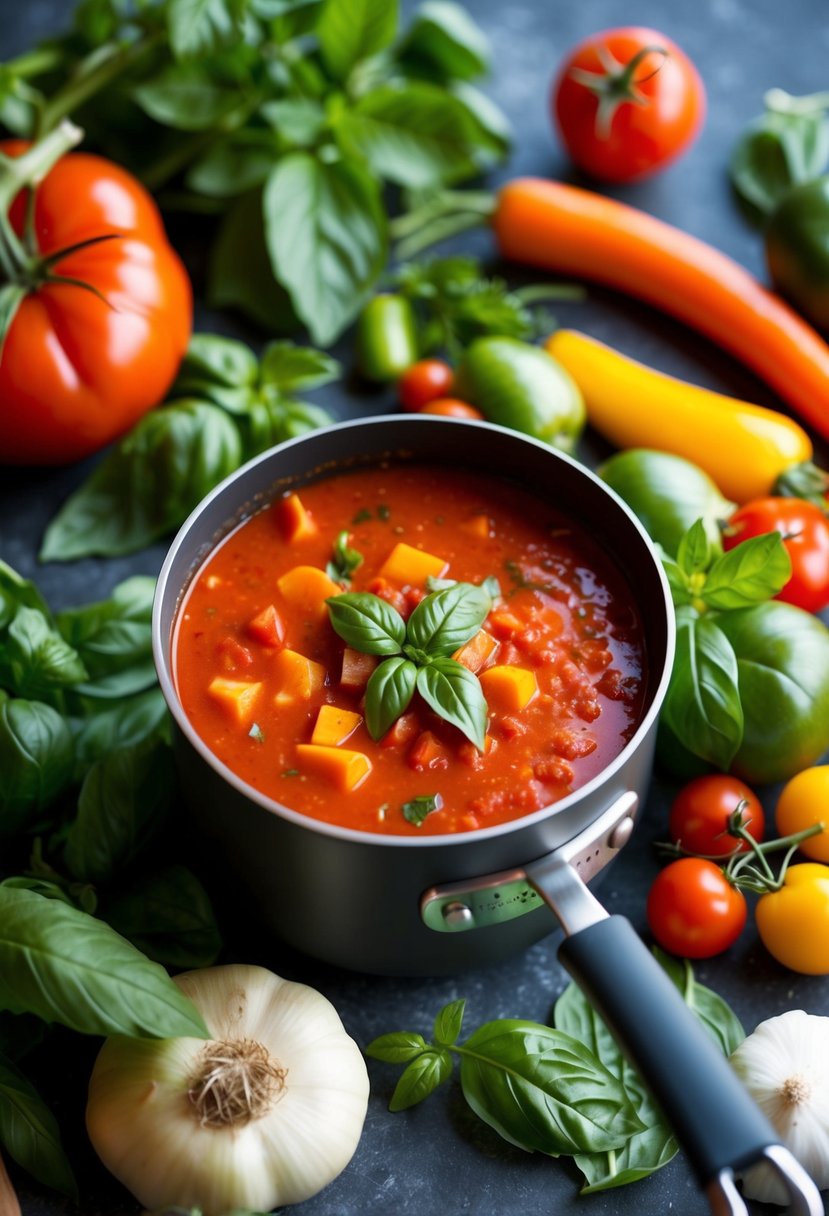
96	307
797	248
518	385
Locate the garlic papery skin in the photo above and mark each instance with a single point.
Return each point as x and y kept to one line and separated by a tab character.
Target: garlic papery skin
785	1066
267	1112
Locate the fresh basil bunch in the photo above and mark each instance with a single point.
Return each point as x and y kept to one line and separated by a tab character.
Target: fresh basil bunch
225	407
563	1090
287	117
416	654
788	144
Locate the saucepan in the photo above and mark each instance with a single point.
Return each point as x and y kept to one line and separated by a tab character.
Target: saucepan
436	905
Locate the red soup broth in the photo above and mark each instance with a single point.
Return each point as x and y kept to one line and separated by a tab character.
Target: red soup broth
256	657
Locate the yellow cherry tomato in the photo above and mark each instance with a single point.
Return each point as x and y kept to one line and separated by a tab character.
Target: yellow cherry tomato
803	802
793	922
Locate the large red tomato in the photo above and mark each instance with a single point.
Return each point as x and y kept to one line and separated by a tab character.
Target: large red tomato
98	337
626	102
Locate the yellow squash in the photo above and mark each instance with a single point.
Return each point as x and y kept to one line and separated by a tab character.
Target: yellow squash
744	448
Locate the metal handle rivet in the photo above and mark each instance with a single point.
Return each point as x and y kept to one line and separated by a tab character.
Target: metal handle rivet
620	835
457	914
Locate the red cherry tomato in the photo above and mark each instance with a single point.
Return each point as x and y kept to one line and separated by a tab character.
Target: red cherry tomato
424	381
92	348
450	407
693	910
805	532
626	102
699	815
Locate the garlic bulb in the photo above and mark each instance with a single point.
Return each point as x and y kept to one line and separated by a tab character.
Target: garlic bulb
785	1066
265	1113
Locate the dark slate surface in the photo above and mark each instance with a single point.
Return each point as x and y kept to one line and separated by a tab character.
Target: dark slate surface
438	1158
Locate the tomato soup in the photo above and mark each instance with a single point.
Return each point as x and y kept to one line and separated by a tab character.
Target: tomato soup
278	695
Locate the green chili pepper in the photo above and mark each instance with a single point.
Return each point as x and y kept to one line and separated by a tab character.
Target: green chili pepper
797	249
519	385
386	338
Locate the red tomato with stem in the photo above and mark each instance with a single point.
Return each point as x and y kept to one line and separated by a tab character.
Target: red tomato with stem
805	531
425	381
627	101
104	313
450	407
693	910
699	814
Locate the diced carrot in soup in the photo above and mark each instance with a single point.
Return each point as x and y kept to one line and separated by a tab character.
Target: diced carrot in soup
295	522
509	689
477	652
337	766
296	677
408	566
238	698
333	726
307	588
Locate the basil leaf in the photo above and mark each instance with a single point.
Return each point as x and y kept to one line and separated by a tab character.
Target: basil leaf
65	966
543	1091
234	166
37	660
36	760
29	1131
18	592
188	97
718	1018
326	232
367	623
168	916
445	620
389	690
417	809
678	581
345	560
120	724
200	27
421	1078
270	422
213	361
290	368
753	571
696	550
239	271
148	484
775	153
298	120
352	30
125	798
702	706
113	639
448	1023
396	1048
445	37
416	135
455	694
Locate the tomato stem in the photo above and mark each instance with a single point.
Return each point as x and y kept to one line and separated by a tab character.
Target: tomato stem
615	85
92	74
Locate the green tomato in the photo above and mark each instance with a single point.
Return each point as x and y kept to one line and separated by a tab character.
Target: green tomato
783	675
386	338
667	493
797	249
520	386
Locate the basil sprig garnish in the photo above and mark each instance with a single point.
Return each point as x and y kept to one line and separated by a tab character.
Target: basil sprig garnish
418	654
344	561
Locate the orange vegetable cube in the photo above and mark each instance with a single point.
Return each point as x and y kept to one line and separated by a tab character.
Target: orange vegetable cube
333	726
477	525
307	588
238	697
507	688
343	768
357	668
505	624
427	752
267	627
295	522
408	566
477	652
297	677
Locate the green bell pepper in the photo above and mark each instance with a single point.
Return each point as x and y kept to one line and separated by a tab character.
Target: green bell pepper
386	338
797	249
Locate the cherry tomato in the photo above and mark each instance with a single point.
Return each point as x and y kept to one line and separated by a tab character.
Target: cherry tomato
693	910
793	922
699	815
91	349
450	407
425	381
805	532
803	802
626	102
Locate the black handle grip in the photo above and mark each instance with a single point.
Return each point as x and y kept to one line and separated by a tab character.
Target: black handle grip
711	1112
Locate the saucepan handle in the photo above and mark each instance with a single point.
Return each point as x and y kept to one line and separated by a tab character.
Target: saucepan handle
715	1119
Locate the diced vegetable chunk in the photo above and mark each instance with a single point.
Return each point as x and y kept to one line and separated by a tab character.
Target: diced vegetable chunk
357	668
408	566
427	752
298	677
295	522
333	726
478	651
307	588
267	627
477	525
239	697
507	688
343	768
